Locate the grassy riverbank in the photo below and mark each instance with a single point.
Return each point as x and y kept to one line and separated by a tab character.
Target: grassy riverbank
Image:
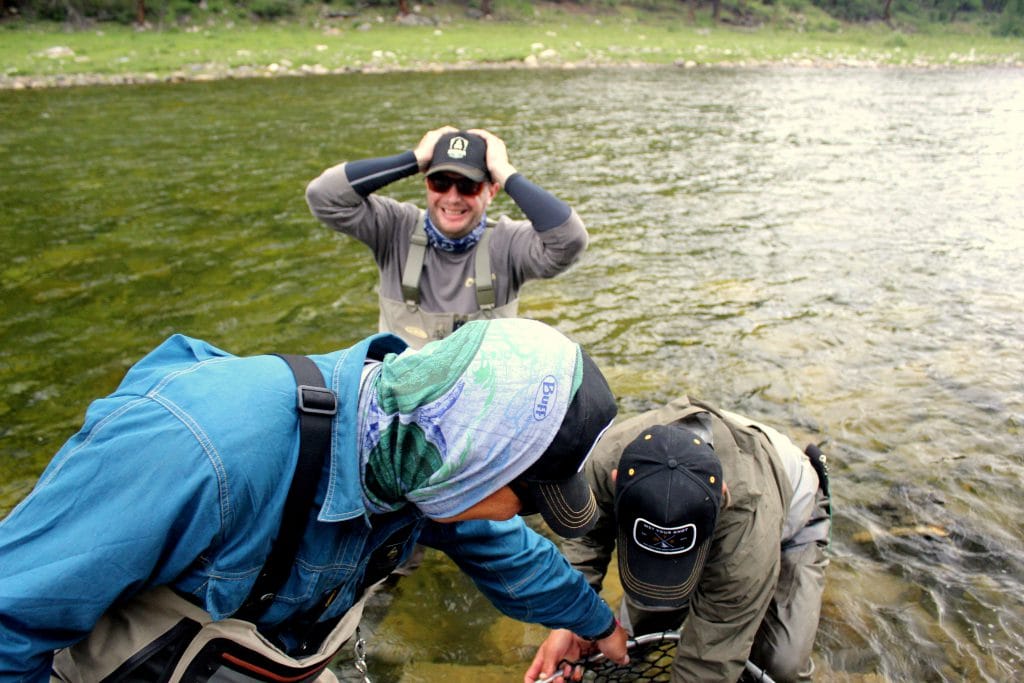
439	37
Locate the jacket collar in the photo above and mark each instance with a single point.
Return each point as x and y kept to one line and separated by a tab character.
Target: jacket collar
342	371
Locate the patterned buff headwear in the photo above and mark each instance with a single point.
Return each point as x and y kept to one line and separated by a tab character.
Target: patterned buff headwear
447	426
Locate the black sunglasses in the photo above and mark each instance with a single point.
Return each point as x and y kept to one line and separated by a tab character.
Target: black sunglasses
464	186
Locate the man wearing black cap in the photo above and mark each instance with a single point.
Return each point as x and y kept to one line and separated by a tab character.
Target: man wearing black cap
721	525
450	263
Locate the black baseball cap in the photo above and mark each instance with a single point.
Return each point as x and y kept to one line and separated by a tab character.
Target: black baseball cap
460	152
555	485
668	493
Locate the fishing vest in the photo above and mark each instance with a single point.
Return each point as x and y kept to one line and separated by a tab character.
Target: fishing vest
416	326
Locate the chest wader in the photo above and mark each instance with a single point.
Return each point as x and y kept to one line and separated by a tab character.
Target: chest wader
160	637
417	326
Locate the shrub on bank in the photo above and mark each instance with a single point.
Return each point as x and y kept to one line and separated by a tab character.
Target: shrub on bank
1012	21
1006	17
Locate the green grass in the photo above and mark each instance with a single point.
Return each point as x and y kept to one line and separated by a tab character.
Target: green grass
217	46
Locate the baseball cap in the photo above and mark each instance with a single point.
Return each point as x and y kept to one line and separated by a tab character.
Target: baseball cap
667	496
554	485
461	152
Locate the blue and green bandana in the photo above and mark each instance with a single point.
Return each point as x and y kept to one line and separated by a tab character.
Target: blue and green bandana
448	425
455	246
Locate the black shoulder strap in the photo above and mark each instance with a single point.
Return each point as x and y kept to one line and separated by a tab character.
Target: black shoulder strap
317	406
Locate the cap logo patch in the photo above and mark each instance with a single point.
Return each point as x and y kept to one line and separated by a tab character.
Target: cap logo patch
664	540
545	397
457	147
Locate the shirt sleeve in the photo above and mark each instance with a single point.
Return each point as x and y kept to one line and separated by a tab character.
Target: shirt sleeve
542	208
127	503
551	240
522	574
369	218
369	175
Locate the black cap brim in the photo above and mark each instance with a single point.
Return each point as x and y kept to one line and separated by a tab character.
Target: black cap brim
568	507
555	485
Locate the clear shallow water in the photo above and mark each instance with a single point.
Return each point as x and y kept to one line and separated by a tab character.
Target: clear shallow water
836	252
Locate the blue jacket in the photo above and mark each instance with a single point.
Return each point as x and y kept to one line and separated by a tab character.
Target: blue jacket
179	478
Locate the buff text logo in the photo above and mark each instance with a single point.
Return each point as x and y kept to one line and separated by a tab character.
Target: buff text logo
545	397
457	147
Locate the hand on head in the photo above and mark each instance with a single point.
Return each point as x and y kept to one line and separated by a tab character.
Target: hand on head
425	149
498	163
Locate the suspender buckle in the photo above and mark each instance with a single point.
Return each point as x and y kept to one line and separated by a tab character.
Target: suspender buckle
316	400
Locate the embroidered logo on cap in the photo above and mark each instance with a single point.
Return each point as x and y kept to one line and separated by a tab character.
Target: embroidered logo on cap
457	147
662	540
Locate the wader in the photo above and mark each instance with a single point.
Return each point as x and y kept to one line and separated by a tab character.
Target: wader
160	637
416	326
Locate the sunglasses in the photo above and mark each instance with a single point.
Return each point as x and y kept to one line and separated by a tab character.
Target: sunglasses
463	185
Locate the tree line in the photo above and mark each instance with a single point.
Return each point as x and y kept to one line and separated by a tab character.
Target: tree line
1006	16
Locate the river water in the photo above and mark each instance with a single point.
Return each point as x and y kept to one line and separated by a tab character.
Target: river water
835	252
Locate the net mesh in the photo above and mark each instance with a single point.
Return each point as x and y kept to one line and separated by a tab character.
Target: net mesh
650	659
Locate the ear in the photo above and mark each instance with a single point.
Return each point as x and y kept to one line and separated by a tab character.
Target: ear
492	190
615	475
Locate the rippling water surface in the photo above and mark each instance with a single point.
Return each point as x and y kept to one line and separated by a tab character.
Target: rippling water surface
836	252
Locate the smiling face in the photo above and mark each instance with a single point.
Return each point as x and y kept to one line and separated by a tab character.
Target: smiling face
456	214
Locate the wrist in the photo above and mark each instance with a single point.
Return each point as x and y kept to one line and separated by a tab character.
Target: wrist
605	633
422	161
501	174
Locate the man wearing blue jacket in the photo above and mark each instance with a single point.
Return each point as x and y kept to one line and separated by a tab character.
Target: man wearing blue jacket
135	555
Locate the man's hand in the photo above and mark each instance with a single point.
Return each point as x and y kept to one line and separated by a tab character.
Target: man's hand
563	645
497	156
425	149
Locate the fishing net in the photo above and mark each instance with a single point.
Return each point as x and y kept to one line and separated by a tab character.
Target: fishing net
650	659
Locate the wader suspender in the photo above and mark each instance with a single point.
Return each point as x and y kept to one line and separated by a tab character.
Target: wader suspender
317	406
414	268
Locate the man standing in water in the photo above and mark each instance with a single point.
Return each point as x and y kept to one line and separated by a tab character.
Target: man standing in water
450	263
721	525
